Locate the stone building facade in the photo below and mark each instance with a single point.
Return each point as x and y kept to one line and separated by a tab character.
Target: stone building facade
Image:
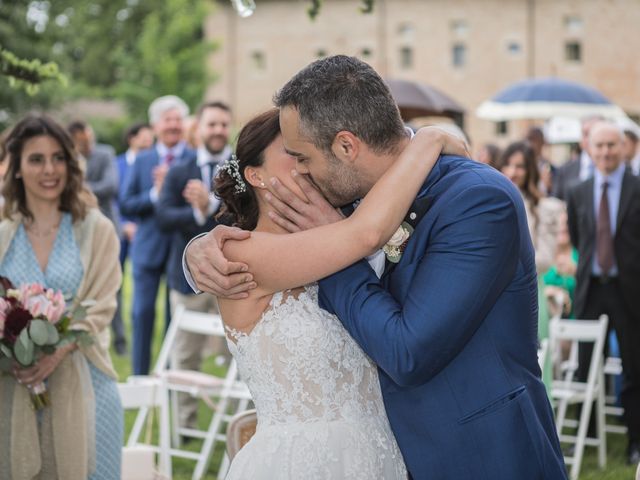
470	49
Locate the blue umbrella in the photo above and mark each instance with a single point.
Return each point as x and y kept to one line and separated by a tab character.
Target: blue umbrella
544	98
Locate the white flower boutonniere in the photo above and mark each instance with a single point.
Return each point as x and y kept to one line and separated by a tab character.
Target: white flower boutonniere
394	248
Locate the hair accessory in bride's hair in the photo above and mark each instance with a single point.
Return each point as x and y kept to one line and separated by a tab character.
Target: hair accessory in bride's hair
232	167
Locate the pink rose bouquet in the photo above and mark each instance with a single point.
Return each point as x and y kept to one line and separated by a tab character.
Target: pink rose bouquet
34	321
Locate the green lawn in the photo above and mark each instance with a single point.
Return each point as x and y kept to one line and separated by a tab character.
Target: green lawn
182	469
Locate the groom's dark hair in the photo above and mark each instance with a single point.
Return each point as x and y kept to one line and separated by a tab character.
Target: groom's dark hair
343	93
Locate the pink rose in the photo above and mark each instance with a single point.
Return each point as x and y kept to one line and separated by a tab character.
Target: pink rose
49	304
54	312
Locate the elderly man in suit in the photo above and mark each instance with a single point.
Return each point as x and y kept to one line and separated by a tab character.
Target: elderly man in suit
604	224
138	200
187	207
579	170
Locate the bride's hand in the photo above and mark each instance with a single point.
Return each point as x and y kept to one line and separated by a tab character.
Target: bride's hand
294	214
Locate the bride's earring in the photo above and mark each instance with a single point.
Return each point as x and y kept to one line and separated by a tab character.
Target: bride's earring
262	184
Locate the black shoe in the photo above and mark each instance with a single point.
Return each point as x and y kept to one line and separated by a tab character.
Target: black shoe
633	453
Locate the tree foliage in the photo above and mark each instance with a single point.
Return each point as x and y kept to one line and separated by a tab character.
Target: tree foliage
314	8
28	74
129	50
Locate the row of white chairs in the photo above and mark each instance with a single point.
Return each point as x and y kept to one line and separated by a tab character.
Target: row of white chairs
561	348
227	395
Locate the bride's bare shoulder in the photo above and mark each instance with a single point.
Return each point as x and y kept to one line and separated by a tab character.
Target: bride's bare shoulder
242	315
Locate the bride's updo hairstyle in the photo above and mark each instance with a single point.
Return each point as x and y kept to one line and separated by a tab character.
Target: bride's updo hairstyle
240	205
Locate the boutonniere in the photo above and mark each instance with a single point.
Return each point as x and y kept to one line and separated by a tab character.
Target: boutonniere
394	248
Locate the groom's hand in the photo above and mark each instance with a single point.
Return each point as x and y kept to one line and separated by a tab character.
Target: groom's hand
211	271
294	214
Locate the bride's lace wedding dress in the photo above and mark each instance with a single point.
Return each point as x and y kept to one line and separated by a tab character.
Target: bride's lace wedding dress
320	410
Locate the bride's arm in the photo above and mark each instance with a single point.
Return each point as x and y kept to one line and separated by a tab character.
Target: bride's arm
283	261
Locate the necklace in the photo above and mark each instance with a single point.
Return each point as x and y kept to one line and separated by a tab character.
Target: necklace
42	233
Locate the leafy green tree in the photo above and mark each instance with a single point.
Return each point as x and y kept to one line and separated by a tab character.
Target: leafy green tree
127	50
22	40
167	57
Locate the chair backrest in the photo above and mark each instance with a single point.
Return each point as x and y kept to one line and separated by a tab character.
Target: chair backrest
189	321
585	331
138	460
140	392
240	430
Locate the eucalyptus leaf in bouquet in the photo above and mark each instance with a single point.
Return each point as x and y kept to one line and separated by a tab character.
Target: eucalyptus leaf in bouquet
24	349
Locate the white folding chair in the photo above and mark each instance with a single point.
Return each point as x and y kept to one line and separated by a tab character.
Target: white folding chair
138	459
566	390
225	395
612	368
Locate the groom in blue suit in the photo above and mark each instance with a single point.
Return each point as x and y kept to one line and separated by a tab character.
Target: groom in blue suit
452	325
452	322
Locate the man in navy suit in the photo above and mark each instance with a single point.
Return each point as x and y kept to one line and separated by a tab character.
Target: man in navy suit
138	200
453	325
186	208
138	136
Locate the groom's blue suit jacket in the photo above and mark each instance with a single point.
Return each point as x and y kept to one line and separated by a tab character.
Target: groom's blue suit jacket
453	329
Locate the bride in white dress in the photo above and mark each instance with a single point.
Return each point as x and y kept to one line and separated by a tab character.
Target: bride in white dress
317	396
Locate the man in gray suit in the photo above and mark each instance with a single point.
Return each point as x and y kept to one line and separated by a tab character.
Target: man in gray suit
102	177
101	173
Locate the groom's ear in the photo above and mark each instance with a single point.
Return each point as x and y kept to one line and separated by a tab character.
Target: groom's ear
346	146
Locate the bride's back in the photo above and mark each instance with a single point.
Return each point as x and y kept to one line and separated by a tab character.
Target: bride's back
301	365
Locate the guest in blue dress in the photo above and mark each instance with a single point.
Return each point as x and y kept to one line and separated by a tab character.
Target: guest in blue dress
54	234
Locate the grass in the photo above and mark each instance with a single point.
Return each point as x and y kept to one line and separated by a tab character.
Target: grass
182	468
616	468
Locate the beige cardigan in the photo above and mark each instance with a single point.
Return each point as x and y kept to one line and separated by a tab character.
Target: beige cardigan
72	404
544	229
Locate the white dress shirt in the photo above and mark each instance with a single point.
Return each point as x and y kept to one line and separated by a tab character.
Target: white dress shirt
206	161
130	157
586	166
